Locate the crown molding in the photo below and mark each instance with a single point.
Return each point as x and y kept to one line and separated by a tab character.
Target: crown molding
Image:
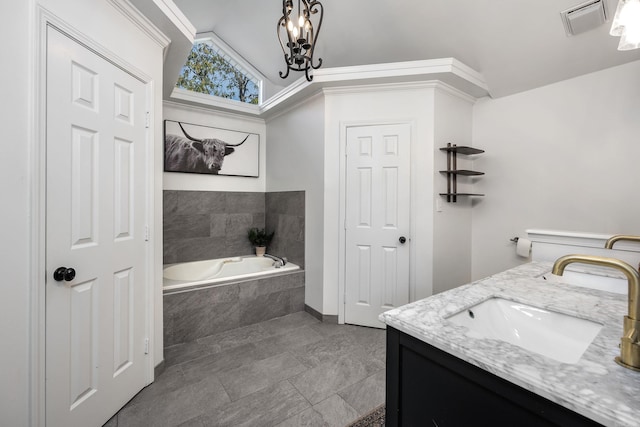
445	74
130	12
171	22
409	86
395	69
450	90
293	105
294	88
177	18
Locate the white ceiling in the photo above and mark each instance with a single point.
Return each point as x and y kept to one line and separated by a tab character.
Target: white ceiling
515	44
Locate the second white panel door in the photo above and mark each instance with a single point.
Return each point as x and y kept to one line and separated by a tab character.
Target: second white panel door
377	222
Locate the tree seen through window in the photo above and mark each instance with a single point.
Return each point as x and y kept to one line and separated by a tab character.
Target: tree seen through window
208	72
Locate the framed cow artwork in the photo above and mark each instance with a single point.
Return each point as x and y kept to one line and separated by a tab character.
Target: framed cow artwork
195	148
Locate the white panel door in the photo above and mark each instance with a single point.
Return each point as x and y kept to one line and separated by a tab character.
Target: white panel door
377	222
96	210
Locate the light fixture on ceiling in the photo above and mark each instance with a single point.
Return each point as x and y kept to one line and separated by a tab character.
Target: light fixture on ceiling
626	24
297	35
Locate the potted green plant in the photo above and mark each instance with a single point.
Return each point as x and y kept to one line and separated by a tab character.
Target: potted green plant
259	238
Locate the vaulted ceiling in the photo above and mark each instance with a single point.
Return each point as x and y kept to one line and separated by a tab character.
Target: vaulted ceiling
515	45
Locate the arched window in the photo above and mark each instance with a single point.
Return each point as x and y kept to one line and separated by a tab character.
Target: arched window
213	68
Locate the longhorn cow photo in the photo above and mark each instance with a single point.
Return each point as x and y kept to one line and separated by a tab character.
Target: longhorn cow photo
201	149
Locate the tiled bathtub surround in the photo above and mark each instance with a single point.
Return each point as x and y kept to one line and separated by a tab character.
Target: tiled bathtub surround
199	313
213	224
284	214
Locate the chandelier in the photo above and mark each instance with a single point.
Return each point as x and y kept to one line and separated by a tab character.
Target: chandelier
297	35
626	24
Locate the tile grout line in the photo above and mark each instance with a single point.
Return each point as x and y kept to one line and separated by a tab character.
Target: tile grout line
224	388
300	393
347	403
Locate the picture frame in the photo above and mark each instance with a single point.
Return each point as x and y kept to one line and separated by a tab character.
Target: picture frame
194	148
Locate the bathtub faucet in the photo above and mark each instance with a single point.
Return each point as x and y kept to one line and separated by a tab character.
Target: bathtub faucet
277	261
630	341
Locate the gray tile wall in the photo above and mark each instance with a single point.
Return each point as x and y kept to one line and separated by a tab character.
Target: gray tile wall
286	216
209	224
203	312
213	224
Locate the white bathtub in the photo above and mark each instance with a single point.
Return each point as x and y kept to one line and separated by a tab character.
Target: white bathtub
213	272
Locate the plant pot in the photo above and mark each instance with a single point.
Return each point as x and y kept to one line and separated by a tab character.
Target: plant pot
260	250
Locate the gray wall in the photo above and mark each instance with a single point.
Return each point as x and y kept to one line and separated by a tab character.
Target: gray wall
213	224
285	215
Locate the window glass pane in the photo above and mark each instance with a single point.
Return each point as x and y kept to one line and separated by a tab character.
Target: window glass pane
210	71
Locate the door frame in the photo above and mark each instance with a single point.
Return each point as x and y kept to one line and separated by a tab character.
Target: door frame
342	253
43	19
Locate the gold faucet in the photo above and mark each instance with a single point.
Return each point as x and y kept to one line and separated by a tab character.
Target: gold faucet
630	341
620	237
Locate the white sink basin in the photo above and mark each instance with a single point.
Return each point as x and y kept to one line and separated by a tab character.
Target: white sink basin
559	336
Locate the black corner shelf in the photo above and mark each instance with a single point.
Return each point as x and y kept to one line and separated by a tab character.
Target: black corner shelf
462	149
464	172
452	171
460	194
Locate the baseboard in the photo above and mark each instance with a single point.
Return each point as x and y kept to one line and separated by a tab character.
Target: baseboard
324	318
159	369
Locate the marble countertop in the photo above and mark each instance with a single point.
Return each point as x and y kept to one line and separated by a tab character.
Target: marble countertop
595	387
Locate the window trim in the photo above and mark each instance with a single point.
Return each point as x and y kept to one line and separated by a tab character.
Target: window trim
235	59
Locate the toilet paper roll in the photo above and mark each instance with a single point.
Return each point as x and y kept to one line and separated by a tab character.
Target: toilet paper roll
523	247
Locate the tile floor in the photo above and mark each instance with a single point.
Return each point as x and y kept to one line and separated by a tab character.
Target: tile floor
290	371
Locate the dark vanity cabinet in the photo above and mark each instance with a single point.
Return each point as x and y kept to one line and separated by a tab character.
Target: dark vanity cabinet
429	387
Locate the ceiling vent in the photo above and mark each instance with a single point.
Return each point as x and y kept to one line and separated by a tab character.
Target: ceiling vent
584	17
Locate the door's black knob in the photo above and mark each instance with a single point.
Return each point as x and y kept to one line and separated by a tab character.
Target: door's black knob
402	239
64	273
